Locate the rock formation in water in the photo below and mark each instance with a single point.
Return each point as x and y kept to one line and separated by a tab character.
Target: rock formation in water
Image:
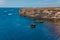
46	13
40	12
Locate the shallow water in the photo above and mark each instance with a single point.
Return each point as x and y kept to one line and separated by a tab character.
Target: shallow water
15	27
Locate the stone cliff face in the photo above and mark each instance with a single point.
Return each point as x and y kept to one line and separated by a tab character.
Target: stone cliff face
40	12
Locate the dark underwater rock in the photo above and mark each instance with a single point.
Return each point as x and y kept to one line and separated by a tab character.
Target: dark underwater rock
32	25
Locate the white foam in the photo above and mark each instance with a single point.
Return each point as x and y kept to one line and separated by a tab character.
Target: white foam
9	13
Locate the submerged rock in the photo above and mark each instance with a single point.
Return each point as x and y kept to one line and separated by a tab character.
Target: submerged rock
39	21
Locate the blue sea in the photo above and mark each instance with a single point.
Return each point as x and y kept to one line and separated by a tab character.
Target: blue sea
16	27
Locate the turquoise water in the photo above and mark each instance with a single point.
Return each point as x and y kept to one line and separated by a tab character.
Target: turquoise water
16	27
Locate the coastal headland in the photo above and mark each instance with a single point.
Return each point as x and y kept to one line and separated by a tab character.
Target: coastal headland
40	12
50	14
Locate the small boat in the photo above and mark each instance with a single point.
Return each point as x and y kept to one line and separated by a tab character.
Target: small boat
32	25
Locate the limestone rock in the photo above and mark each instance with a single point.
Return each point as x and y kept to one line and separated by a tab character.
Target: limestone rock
40	12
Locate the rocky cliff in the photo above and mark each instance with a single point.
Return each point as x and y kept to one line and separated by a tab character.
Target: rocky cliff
40	12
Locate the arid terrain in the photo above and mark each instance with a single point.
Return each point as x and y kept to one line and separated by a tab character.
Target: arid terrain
41	12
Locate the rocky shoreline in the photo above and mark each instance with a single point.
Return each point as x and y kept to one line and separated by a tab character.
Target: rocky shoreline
40	13
51	15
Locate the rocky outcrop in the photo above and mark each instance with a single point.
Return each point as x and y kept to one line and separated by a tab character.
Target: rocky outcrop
40	12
